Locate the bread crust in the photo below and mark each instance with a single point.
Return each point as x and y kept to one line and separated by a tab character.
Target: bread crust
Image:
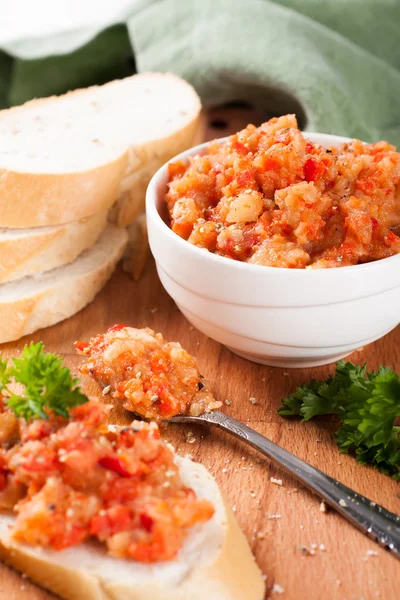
42	249
59	299
132	198
39	199
229	572
30	199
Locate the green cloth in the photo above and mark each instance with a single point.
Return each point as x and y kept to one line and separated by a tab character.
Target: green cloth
108	56
251	49
335	63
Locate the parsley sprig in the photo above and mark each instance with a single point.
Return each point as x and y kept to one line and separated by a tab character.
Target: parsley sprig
367	405
47	384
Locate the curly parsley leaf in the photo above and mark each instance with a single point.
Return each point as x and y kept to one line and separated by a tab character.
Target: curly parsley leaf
47	384
367	404
4	374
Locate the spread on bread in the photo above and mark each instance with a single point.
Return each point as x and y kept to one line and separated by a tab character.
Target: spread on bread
72	479
148	375
91	510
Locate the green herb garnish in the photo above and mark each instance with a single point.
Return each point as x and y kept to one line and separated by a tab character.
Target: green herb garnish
47	384
367	405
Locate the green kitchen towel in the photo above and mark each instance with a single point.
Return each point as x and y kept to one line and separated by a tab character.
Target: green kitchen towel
335	63
338	67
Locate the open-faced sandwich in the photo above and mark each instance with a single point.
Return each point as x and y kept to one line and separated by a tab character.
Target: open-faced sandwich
98	512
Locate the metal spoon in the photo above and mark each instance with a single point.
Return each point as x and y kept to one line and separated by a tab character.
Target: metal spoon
372	519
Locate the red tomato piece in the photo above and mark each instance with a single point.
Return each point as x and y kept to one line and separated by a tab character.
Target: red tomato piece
366	185
71	537
309	147
115	464
375	223
81	346
116	519
240	148
313	169
117	327
146	521
270	164
392	238
245	178
46	460
3	480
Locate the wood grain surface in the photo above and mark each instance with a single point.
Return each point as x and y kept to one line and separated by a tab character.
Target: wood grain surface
277	520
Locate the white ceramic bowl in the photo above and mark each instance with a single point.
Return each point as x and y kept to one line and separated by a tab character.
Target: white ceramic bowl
274	316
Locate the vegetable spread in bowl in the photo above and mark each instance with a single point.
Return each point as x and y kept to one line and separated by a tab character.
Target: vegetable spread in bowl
269	196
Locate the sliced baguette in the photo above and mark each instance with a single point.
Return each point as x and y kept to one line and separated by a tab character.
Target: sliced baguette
25	252
35	302
215	562
65	158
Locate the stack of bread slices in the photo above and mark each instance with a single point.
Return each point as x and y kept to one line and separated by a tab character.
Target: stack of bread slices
73	175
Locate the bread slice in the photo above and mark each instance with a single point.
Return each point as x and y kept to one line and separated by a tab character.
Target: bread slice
35	302
215	562
25	252
65	158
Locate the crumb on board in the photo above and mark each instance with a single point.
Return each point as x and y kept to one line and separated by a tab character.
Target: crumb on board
277	589
322	507
253	400
260	535
190	438
273	516
224	470
304	551
228	402
276	481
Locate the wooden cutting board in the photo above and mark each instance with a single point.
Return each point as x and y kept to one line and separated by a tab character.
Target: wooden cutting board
277	520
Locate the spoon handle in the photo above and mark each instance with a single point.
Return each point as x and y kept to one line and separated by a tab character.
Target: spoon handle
372	519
